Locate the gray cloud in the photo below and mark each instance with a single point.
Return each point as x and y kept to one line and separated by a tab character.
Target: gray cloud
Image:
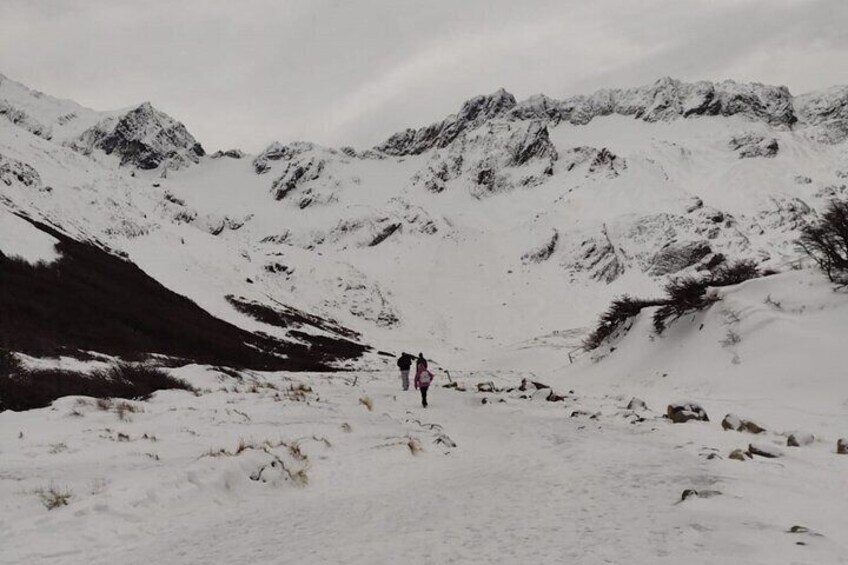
343	72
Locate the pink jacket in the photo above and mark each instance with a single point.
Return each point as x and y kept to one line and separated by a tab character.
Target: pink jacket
420	370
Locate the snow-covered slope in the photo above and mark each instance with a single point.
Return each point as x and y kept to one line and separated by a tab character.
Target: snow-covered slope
490	240
509	224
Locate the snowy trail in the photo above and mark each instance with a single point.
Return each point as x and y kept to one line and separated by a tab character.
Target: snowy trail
526	483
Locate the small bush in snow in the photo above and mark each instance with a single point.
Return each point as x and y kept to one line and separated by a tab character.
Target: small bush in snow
826	241
685	295
37	388
732	338
52	497
734	273
621	309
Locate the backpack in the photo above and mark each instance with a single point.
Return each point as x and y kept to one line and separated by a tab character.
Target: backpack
424	378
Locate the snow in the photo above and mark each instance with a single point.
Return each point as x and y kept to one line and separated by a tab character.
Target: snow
527	476
18	238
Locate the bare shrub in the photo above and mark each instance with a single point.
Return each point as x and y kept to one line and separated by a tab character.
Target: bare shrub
9	363
769	301
826	241
57	448
686	294
734	272
621	310
52	497
36	388
124	409
731	339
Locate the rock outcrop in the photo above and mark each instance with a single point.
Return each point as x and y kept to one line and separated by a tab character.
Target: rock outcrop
144	138
681	412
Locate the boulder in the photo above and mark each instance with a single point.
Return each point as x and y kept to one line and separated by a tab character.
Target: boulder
768	451
842	446
797	439
637	404
680	412
735	423
739	455
531	385
690	492
486	387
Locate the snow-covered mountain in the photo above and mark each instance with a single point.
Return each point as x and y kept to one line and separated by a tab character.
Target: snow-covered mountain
506	226
490	240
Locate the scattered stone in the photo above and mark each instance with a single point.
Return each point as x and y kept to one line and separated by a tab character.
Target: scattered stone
798	439
799	530
735	423
527	385
842	446
582	413
767	451
554	397
680	412
637	404
486	387
739	455
690	492
541	394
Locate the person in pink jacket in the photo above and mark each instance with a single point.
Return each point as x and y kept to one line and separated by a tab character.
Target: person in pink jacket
423	378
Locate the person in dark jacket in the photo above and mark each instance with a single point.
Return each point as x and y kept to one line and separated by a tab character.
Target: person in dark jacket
404	362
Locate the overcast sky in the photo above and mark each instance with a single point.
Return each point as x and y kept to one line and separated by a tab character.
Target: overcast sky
247	72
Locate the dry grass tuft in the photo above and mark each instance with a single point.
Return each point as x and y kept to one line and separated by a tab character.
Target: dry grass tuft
52	497
367	402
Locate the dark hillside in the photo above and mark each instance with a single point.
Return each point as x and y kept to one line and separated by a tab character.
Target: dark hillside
91	300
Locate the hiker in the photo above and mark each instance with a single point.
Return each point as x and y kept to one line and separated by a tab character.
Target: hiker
404	362
423	378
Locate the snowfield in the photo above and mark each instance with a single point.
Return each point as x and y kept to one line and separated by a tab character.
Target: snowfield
491	241
294	468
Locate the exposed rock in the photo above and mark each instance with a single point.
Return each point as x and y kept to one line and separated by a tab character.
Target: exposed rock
229	153
739	455
842	446
608	163
827	112
798	439
768	451
544	252
680	412
12	170
276	152
637	404
295	174
668	99
752	145
554	397
384	233
735	423
487	387
531	385
801	179
532	143
675	257
473	113
143	137
23	120
690	492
